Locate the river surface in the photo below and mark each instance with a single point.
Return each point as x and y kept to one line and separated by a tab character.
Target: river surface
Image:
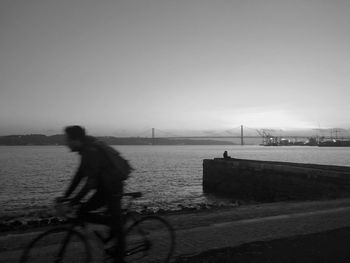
168	176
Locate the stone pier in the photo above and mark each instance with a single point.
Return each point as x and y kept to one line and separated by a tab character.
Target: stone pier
274	181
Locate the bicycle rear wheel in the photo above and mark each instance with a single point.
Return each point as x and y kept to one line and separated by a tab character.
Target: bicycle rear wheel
150	239
60	244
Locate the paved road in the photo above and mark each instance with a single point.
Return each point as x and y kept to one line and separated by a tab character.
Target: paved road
231	234
197	232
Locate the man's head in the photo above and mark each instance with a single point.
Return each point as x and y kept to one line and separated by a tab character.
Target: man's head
75	137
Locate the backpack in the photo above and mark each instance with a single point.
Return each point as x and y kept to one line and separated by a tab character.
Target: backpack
122	166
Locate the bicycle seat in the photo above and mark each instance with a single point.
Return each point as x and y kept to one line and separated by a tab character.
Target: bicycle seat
133	194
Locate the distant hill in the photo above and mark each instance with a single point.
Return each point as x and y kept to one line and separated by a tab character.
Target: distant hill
40	139
32	139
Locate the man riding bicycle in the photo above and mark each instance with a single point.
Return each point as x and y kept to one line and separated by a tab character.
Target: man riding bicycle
99	166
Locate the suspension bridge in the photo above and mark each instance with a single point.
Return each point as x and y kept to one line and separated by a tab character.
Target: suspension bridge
241	134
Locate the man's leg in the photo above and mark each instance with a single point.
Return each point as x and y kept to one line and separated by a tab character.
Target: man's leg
114	207
113	197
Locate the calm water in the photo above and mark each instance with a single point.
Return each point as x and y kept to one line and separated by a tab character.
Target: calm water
168	176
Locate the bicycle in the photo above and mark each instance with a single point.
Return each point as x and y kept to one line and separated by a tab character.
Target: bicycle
142	235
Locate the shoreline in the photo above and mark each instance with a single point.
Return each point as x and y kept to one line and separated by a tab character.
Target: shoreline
239	208
42	219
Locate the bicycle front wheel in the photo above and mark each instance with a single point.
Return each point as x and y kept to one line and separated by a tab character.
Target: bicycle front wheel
150	239
57	245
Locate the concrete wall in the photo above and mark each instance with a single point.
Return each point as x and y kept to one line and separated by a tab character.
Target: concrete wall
274	181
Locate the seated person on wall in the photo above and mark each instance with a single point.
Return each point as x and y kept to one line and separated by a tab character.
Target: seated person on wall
226	155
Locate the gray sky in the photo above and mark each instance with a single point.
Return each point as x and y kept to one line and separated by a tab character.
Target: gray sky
117	66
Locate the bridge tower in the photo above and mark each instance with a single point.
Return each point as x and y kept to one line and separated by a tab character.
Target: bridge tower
153	136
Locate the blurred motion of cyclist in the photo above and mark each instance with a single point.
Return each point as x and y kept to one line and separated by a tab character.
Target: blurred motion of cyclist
104	171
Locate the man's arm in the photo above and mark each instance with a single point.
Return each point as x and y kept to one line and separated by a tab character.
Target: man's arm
82	193
90	165
74	183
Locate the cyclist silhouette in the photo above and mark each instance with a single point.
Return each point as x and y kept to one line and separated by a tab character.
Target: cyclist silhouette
102	178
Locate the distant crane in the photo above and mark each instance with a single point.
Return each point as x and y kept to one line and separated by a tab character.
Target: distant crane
331	131
320	135
267	138
336	131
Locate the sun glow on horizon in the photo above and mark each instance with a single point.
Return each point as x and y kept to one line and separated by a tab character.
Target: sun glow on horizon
272	119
